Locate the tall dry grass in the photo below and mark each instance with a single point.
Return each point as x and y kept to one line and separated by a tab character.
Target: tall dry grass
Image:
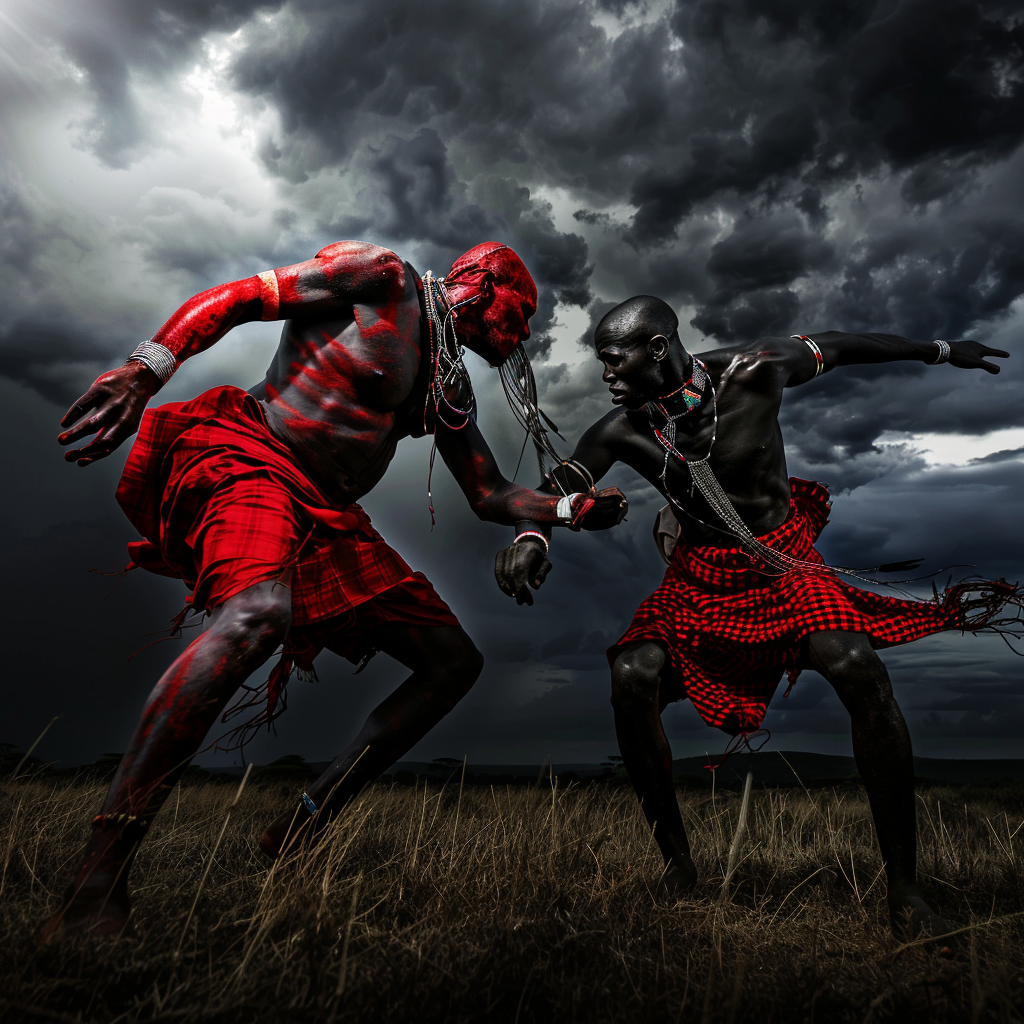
514	904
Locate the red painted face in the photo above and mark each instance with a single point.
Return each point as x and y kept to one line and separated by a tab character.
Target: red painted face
506	298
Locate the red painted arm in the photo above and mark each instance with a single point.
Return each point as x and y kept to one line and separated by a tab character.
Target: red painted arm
339	275
492	497
497	500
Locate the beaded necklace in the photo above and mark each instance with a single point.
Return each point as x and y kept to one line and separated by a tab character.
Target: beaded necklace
703	477
448	371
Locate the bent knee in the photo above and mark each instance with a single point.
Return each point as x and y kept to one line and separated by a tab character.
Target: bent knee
855	669
257	619
470	663
457	659
636	678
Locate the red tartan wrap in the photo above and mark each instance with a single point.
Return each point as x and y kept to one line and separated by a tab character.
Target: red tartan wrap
223	505
730	631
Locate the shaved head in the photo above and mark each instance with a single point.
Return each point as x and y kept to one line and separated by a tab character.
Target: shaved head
637	319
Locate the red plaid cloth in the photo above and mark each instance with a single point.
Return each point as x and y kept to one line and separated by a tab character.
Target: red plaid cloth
223	504
730	632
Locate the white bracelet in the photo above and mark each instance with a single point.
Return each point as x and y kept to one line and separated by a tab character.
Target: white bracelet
534	533
159	358
564	507
943	355
270	294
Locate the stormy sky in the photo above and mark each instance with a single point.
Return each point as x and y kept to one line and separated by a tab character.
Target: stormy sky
765	166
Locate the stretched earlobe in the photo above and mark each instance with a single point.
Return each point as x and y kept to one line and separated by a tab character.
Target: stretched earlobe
658	346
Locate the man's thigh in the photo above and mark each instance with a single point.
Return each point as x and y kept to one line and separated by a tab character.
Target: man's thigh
409	622
841	654
248	534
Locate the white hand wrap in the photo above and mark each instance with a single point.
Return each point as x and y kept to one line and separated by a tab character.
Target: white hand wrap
564	507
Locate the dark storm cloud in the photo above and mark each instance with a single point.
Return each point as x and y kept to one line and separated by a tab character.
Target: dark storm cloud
766	166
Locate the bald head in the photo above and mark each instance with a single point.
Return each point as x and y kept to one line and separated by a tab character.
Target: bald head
638	342
637	320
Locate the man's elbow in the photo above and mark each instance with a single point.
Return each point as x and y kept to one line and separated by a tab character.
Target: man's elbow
486	507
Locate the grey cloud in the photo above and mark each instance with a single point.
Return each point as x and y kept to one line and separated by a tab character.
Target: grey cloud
112	40
1005	455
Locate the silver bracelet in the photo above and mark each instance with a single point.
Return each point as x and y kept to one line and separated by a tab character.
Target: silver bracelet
564	507
943	354
159	358
534	533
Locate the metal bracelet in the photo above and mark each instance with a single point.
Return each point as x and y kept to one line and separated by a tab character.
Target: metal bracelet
159	358
943	353
534	533
819	359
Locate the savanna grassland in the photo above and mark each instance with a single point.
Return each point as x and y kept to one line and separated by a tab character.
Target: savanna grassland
531	903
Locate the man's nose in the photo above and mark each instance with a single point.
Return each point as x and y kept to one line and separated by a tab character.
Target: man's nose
608	377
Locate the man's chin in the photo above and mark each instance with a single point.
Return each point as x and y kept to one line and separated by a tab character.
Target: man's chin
631	402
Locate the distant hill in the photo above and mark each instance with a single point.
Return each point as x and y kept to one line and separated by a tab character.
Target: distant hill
770	768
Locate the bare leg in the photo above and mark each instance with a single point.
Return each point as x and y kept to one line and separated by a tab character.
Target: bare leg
444	664
647	755
881	746
178	715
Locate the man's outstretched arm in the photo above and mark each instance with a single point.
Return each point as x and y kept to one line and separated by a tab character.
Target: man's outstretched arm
524	563
497	500
337	276
809	355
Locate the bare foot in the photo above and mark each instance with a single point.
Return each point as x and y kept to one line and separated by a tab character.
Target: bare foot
679	879
913	917
287	833
99	906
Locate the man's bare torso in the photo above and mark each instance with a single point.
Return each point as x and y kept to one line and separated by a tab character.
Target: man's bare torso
748	456
349	382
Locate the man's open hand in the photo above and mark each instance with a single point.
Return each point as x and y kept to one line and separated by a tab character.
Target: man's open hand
111	409
522	563
969	355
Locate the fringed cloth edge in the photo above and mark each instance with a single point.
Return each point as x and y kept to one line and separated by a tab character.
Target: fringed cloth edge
977	604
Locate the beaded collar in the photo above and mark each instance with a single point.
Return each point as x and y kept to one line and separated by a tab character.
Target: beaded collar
689	394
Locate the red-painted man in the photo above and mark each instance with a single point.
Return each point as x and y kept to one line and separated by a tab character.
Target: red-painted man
250	499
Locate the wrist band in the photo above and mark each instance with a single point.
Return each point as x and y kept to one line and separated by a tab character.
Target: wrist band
270	294
564	507
943	353
534	533
307	802
819	359
159	358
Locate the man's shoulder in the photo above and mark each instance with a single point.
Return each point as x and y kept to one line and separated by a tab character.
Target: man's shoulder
751	360
616	426
365	259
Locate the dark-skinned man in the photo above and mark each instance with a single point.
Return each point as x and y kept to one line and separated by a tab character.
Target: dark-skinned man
746	597
250	499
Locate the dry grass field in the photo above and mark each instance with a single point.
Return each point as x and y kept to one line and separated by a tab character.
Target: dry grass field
461	903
